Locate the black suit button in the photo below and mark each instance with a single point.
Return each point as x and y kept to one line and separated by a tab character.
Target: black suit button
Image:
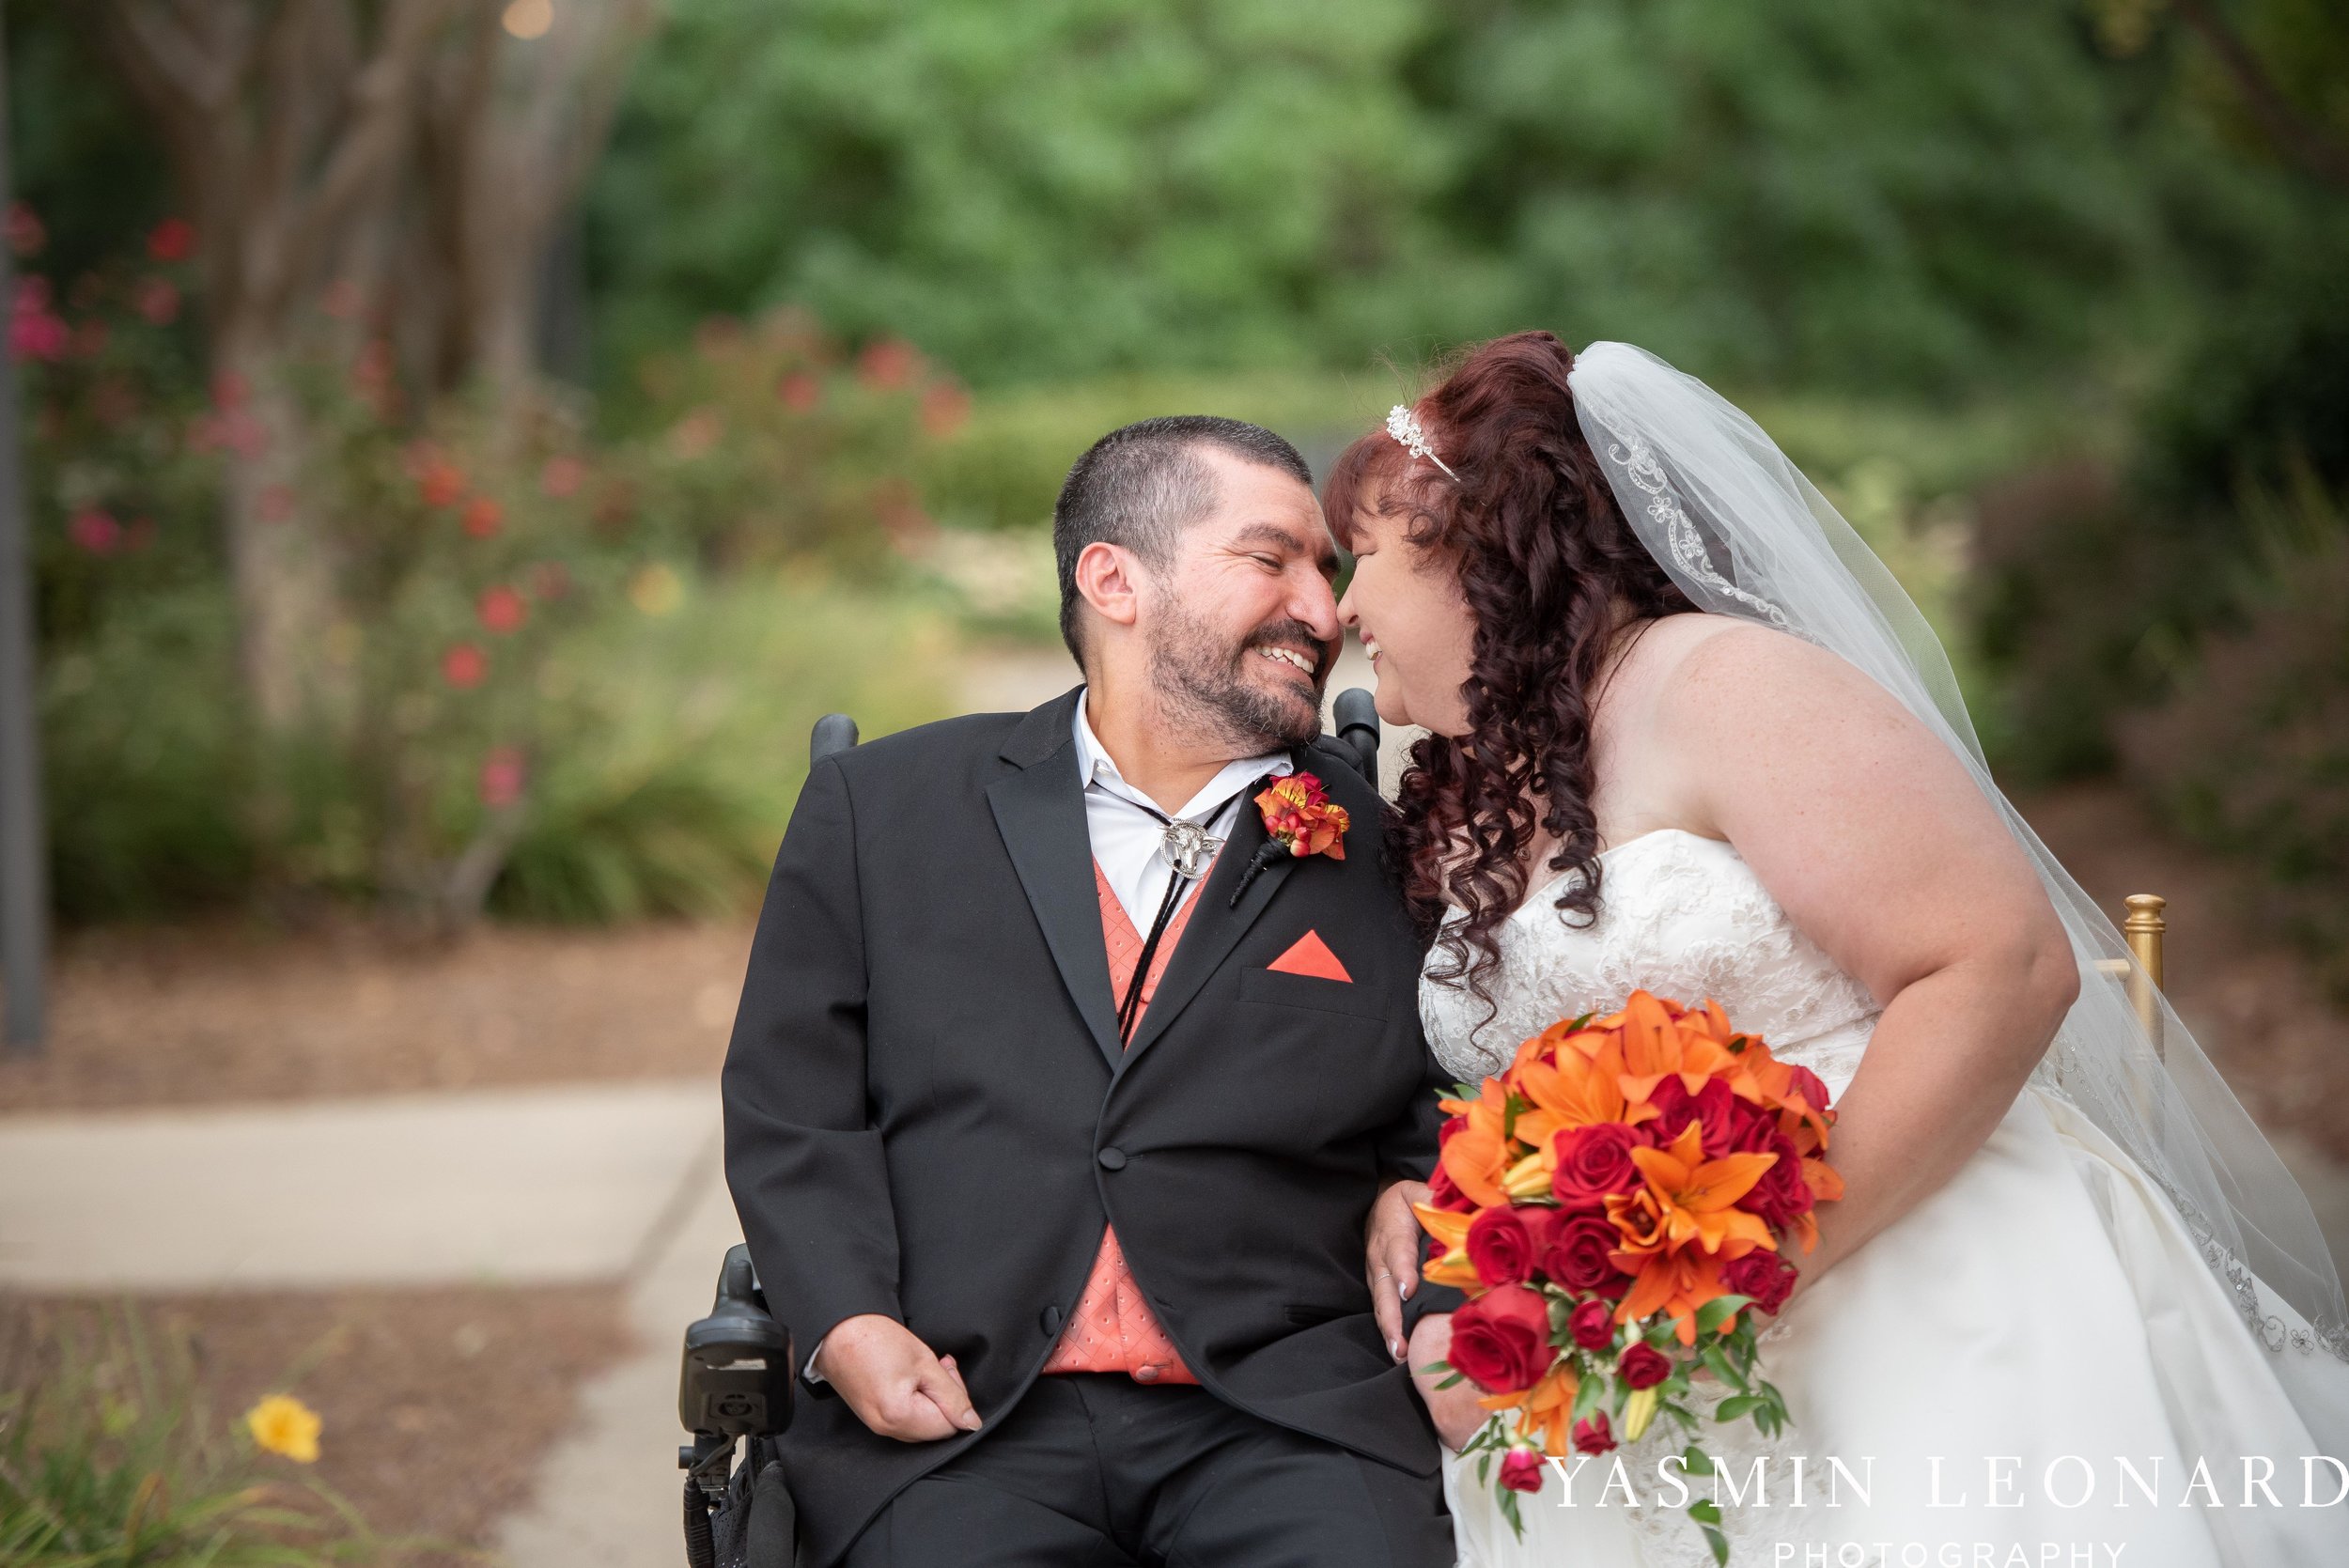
1051	1321
1111	1160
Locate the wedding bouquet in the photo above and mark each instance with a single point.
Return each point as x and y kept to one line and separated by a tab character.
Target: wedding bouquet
1613	1204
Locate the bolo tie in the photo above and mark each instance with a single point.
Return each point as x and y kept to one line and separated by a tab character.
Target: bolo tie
1190	849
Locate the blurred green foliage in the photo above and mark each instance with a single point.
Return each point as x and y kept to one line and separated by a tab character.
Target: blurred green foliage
1821	193
110	1457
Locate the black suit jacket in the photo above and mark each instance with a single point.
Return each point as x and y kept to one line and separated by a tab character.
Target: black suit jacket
929	1115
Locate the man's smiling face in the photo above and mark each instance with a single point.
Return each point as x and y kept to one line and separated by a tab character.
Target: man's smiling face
1241	626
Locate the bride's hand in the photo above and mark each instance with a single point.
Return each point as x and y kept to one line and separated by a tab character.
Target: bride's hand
1455	1410
1392	1265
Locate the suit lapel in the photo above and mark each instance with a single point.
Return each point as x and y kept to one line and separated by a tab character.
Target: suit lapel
1216	927
1040	812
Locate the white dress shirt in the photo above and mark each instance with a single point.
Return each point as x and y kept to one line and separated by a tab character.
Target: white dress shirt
1129	844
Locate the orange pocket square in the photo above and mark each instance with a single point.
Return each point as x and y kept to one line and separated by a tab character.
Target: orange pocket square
1311	955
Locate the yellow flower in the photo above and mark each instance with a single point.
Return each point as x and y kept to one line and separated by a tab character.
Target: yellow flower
283	1425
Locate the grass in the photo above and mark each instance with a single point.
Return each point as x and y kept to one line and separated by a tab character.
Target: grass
110	1459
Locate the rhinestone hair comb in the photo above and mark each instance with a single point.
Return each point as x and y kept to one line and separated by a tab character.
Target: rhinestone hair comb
1404	426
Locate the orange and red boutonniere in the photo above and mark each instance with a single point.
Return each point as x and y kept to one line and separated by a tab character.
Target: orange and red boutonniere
1300	819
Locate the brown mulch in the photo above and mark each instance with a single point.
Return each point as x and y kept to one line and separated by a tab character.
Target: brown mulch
436	1403
224	1012
2254	1005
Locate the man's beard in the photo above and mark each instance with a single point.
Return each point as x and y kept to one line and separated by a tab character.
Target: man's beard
1196	676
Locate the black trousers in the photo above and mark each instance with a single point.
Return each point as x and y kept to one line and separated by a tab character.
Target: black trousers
1099	1472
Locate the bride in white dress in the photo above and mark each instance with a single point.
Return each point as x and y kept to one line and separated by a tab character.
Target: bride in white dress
1688	736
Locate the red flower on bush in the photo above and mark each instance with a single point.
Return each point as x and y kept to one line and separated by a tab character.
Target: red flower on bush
946	407
158	300
95	530
173	239
440	484
26	233
562	476
887	364
482	518
34	329
1500	1340
799	390
503	775
464	666
503	611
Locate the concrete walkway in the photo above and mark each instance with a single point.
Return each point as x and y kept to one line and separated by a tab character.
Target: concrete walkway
497	1186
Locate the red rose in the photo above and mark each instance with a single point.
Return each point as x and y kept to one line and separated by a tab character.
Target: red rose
1758	1134
1807	1086
1578	1254
1592	1162
1444	1193
1593	1324
1766	1277
1522	1471
1500	1340
1643	1366
1451	1127
1595	1436
1714	1105
1782	1196
1504	1243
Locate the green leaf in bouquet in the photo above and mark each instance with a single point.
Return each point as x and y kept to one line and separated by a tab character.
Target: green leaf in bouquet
1588	1395
1462	1092
1509	1511
1454	1379
1705	1511
1697	1461
1717	1311
1485	1470
1738	1404
1718	1361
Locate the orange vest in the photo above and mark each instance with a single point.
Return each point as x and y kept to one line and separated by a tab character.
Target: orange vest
1112	1329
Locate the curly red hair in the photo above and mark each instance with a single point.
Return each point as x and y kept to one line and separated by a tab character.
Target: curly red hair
1552	574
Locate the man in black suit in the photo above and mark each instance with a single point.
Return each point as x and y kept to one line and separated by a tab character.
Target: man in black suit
1059	1094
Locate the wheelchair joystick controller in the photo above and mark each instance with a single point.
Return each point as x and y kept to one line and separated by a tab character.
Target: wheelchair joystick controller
737	1376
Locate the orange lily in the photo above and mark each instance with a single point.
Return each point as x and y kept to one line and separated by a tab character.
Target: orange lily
1546	1410
1478	1156
1697	1196
1675	1284
1450	1265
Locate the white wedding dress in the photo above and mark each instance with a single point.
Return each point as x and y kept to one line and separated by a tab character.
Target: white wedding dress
2041	1319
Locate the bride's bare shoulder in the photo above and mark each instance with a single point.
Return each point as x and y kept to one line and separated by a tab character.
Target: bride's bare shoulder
1700	663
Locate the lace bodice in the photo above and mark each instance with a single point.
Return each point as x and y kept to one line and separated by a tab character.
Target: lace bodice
1679	916
1683	917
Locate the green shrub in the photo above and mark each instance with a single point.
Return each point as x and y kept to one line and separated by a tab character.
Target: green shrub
109	1458
2251	753
678	741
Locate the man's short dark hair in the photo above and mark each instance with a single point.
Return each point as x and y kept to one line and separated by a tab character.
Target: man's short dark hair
1140	487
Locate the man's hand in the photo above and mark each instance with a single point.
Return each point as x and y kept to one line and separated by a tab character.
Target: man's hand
1454	1410
893	1382
1392	1265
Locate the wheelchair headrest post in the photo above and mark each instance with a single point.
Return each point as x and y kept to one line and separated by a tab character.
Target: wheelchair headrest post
1356	712
834	732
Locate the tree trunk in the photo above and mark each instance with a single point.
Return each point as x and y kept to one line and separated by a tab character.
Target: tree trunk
281	561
